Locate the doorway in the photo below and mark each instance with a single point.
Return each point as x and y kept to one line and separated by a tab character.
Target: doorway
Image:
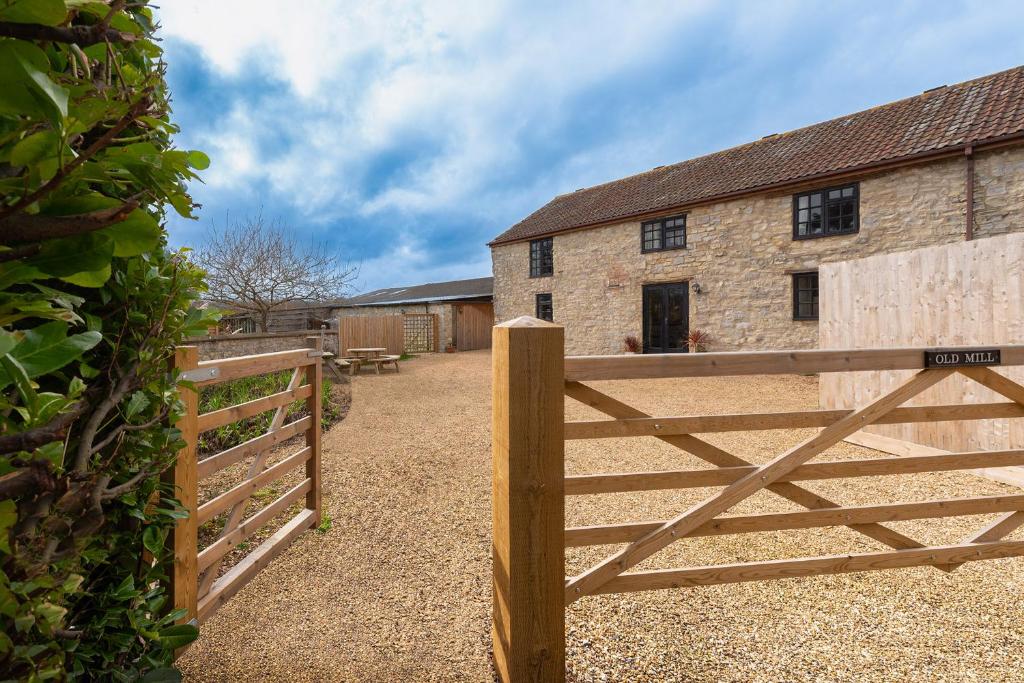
666	311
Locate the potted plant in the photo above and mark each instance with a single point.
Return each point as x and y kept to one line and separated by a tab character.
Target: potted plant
632	344
698	340
449	348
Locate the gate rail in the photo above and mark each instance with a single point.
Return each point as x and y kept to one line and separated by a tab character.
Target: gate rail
195	585
531	377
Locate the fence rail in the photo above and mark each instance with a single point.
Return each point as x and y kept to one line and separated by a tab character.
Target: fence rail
531	378
195	584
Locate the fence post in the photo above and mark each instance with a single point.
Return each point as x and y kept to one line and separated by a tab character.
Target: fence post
314	376
184	540
436	324
528	500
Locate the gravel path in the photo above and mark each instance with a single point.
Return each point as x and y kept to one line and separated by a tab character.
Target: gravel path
398	589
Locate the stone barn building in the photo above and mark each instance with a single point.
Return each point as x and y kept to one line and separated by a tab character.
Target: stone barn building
730	243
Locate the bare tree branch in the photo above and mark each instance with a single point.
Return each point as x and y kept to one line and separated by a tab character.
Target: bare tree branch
260	267
83	36
135	111
23	227
125	427
124	385
56	430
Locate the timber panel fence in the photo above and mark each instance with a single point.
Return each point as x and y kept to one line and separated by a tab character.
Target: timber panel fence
531	378
195	584
963	293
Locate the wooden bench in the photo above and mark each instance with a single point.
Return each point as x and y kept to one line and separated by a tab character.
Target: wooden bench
381	361
351	363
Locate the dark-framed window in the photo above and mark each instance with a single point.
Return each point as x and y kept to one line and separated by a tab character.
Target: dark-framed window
663	234
831	211
805	296
544	309
542	261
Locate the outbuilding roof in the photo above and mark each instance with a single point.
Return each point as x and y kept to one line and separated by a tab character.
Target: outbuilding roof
454	290
984	110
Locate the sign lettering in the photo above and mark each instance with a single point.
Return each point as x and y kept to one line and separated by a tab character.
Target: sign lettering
958	359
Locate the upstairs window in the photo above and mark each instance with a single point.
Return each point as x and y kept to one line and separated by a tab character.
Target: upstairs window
834	211
541	261
805	296
544	308
663	234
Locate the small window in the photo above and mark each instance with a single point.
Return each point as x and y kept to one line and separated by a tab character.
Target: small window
544	309
833	211
541	260
662	234
805	296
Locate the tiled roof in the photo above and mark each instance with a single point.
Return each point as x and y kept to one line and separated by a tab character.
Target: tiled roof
984	109
477	288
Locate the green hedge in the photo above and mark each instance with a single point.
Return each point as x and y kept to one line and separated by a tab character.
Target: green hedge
92	304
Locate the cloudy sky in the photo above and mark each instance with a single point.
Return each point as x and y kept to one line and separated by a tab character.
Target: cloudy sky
408	134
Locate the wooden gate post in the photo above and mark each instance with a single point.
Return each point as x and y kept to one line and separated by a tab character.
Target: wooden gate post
184	539
314	376
528	501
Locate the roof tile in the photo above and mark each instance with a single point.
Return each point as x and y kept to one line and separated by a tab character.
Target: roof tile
983	109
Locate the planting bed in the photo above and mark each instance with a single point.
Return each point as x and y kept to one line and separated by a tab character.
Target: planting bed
399	588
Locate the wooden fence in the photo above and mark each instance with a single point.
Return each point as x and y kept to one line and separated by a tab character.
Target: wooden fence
531	377
965	293
406	333
195	584
360	331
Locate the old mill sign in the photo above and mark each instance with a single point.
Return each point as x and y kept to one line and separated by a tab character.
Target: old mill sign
958	359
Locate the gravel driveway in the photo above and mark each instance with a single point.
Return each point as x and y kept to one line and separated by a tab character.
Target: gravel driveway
399	588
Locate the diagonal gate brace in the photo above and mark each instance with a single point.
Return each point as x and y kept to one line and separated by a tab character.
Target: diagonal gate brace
703	512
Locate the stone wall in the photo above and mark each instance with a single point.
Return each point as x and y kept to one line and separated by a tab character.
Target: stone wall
742	254
228	346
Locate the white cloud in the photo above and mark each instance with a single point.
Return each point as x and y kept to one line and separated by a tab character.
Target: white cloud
409	108
462	78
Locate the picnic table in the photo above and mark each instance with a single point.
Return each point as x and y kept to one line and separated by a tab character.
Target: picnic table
367	352
367	355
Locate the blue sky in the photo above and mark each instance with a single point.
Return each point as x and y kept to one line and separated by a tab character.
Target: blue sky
407	135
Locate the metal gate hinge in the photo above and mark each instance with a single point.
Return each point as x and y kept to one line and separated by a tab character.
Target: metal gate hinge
200	374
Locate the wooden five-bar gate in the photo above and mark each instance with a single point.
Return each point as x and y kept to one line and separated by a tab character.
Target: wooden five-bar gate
530	382
195	584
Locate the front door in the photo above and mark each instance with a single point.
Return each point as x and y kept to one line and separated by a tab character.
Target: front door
666	318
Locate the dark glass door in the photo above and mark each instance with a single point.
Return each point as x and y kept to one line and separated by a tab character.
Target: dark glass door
666	318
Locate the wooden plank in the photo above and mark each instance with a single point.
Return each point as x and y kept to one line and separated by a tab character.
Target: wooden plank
957	294
235	578
253	446
183	541
1004	474
716	456
259	364
653	366
244	490
614	482
360	331
252	524
766	474
224	416
779	521
257	465
314	404
528	631
473	325
699	424
813	566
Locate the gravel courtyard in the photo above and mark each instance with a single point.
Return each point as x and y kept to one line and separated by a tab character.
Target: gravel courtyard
399	588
